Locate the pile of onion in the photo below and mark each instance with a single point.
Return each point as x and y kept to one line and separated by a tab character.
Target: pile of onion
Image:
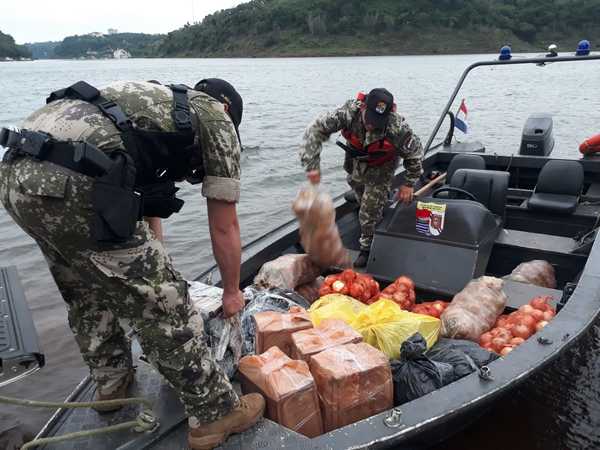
434	309
401	291
513	329
359	286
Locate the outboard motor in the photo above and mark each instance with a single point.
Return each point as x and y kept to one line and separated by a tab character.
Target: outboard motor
537	138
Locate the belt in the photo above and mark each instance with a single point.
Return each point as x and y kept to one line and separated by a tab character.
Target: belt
77	156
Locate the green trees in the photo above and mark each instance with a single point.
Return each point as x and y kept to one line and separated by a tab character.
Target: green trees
92	45
8	48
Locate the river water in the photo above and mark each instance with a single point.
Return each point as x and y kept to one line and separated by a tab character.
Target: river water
559	410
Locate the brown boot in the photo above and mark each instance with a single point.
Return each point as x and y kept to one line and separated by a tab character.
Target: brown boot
209	436
121	392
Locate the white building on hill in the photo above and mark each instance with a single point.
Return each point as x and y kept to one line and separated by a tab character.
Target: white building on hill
121	54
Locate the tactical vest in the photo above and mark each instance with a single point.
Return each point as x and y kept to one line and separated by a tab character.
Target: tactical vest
160	157
376	154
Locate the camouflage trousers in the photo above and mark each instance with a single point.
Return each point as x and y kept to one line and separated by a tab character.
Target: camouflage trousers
372	186
132	284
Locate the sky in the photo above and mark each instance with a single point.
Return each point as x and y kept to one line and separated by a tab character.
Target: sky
53	20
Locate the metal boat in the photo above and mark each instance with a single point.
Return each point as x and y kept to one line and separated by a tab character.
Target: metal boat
499	211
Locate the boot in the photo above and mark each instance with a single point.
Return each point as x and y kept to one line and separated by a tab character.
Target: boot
121	392
211	435
361	260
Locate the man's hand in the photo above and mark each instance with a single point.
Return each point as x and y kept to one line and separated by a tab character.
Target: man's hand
405	194
314	176
233	302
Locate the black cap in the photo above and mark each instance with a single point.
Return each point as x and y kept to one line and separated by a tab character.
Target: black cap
224	92
380	103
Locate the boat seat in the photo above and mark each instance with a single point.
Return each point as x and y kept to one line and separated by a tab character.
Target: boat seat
490	187
558	187
464	161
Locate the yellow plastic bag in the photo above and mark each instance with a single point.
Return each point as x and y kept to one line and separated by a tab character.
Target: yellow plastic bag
385	326
335	306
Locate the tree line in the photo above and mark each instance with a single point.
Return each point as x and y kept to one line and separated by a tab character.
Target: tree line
8	48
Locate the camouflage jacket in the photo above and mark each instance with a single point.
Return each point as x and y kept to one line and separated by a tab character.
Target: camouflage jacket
348	117
149	106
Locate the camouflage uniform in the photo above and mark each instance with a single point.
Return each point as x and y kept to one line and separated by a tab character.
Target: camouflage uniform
132	283
371	184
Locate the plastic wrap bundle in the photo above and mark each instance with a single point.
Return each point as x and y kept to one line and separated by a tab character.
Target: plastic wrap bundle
354	382
319	234
474	310
275	329
537	272
330	333
225	341
287	272
258	300
288	388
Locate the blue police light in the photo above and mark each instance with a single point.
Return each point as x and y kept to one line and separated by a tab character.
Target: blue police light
505	53
583	48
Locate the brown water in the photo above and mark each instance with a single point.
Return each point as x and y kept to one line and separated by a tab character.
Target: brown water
558	410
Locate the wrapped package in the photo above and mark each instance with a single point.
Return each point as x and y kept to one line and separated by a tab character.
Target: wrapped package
319	234
354	382
474	310
275	329
335	306
310	291
330	333
258	300
402	291
288	388
357	285
287	272
537	272
385	326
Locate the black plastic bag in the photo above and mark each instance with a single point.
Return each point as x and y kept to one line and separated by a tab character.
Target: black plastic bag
415	374
258	300
464	356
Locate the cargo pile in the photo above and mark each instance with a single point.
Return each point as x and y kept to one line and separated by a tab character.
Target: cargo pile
347	349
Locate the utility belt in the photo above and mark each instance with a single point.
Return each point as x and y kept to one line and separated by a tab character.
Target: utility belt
117	204
359	154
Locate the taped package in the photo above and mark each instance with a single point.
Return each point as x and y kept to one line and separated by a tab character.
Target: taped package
275	329
354	382
287	272
288	387
330	333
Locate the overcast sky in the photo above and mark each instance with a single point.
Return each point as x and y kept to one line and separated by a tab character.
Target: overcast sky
52	20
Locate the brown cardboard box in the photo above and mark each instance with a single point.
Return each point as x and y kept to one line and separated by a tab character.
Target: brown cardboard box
329	333
354	382
274	329
288	388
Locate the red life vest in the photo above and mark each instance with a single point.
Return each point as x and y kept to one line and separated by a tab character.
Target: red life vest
378	152
590	146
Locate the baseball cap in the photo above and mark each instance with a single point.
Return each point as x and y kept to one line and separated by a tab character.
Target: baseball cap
380	103
224	92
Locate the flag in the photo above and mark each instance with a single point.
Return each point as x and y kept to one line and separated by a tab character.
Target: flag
460	121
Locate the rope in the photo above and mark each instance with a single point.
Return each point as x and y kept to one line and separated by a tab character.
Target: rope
145	422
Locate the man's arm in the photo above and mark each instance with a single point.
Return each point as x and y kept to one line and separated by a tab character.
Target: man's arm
410	149
319	132
155	225
226	244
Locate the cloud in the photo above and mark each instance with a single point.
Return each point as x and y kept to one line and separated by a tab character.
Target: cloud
36	21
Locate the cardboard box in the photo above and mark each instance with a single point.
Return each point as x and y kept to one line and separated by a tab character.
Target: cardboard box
329	333
354	382
288	388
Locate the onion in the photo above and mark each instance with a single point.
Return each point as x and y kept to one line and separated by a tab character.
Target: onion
489	347
537	315
506	350
540	303
516	341
541	324
548	315
521	331
499	343
485	338
338	285
529	322
527	309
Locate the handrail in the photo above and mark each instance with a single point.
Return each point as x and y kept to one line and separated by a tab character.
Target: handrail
516	60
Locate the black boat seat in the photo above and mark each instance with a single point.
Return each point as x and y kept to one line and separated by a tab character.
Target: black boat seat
558	187
464	161
490	187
